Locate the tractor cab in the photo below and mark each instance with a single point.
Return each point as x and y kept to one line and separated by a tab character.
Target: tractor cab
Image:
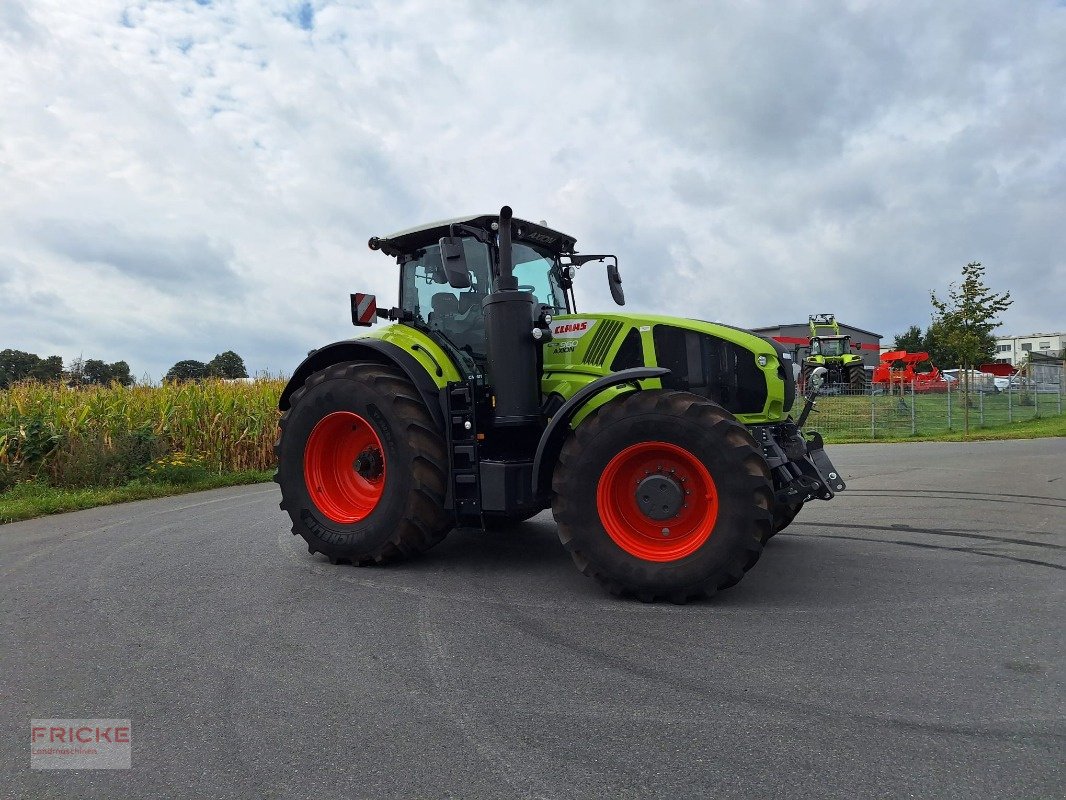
830	346
429	300
449	268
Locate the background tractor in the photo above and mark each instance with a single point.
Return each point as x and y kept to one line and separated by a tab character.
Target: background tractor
663	446
833	351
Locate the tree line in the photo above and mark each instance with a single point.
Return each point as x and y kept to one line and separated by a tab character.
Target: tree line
16	365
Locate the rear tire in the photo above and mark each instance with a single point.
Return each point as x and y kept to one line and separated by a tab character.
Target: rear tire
361	466
857	379
711	541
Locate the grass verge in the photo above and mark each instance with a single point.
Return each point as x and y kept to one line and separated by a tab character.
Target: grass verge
27	500
1036	428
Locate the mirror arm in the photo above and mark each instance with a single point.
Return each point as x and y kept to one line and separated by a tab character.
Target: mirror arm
480	234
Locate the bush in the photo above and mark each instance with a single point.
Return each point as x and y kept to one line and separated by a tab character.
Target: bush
96	459
179	468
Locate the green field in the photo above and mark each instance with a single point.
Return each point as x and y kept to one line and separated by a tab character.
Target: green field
62	449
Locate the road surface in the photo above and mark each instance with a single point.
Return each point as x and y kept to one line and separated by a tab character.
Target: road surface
905	640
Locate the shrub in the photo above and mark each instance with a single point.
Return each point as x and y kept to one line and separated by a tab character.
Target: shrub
24	446
180	468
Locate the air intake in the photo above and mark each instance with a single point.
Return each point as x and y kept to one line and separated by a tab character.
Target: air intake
601	342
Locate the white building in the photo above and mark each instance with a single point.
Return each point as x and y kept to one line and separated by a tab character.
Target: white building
1015	349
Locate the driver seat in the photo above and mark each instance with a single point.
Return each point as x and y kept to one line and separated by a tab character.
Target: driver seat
445	307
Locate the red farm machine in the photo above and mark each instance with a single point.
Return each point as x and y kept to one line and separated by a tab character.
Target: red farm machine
898	368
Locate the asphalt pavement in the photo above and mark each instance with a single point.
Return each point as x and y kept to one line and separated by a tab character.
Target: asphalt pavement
904	640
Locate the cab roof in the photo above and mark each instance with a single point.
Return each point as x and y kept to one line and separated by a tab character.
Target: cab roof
412	239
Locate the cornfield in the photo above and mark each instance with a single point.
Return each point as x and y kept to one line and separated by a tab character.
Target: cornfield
64	435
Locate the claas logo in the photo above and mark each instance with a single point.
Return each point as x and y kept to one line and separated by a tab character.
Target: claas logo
571	327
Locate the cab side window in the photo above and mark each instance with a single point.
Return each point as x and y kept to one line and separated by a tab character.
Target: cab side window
455	313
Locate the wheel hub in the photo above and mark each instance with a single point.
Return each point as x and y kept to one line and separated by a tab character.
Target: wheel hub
345	468
657	501
660	496
369	464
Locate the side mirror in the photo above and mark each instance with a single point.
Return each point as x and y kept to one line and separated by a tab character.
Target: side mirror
453	256
818	377
614	280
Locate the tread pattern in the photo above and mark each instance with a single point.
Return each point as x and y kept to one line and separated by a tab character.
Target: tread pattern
857	379
784	513
424	521
642	414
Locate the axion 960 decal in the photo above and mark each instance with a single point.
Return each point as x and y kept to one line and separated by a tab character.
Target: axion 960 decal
571	328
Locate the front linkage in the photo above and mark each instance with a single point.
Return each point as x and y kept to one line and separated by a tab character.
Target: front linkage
800	467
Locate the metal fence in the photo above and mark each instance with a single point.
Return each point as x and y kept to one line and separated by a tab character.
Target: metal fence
908	410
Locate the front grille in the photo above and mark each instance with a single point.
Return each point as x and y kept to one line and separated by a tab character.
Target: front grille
601	342
715	368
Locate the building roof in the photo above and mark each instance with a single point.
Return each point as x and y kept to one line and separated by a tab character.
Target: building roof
807	326
1028	335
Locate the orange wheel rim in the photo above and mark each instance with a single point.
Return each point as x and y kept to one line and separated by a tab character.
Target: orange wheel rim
344	467
657	501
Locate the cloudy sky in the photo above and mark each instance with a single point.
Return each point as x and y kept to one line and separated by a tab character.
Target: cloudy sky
181	178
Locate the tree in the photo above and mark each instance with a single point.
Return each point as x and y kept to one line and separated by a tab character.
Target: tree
912	340
227	365
15	365
937	348
932	342
95	371
120	373
967	318
48	370
188	370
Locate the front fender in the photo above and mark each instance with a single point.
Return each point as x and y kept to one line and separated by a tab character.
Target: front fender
551	441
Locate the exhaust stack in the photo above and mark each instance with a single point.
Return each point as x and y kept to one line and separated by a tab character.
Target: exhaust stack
512	350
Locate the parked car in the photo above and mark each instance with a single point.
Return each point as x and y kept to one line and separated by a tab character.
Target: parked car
979	381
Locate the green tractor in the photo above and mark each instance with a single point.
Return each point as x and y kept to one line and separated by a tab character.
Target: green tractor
833	352
663	446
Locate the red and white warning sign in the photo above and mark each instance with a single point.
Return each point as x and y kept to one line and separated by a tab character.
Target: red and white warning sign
364	309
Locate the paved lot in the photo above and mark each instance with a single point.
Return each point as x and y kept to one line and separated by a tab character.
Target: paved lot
905	640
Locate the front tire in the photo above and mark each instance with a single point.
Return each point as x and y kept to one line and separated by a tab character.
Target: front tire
361	466
784	513
662	494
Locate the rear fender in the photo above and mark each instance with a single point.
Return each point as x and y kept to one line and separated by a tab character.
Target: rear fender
368	350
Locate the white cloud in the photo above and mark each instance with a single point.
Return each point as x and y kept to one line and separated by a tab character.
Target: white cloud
181	179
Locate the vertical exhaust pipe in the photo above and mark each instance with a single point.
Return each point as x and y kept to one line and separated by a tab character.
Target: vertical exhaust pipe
507	280
512	350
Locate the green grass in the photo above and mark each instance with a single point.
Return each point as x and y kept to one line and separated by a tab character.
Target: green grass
1035	428
27	500
884	418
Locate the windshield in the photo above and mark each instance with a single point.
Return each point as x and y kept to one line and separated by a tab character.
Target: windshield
537	272
827	347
